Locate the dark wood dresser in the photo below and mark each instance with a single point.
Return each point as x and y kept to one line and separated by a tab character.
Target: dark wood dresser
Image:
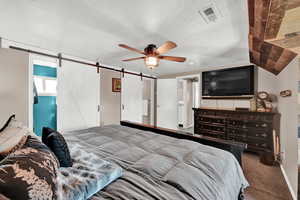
259	130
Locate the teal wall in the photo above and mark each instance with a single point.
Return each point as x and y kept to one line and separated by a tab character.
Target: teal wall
44	114
45	111
39	70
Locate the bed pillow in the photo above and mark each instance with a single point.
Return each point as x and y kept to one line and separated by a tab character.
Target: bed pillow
56	142
29	172
46	132
13	136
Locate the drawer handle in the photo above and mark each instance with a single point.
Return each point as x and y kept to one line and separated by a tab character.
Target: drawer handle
264	135
264	145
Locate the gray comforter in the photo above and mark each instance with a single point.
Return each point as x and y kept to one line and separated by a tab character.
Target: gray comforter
158	167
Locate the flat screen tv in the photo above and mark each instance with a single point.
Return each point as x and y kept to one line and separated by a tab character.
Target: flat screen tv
233	82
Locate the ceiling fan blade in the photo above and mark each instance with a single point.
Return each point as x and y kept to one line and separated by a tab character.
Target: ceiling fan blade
173	58
131	49
167	46
130	59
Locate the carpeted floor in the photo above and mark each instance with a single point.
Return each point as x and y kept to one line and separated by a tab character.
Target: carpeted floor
266	182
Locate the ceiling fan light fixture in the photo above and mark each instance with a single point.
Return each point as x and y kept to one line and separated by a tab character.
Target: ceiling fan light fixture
151	62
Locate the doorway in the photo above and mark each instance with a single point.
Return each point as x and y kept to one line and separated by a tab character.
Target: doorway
45	93
188	97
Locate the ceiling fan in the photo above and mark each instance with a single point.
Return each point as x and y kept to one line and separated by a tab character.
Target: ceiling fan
152	54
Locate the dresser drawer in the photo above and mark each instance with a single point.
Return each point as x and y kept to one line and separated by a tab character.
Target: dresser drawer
267	134
205	112
211	128
258	144
237	138
258	124
234	131
255	133
245	124
211	133
211	120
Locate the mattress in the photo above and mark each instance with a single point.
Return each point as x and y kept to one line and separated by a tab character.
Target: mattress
158	167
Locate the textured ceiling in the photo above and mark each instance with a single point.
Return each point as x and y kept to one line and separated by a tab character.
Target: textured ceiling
92	29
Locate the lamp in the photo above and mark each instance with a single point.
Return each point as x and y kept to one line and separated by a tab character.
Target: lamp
151	62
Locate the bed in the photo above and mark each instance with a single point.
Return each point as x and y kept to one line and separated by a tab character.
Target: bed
158	167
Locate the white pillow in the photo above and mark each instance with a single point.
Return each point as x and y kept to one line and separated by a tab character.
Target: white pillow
15	134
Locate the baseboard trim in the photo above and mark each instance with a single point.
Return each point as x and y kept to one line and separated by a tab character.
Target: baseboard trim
288	183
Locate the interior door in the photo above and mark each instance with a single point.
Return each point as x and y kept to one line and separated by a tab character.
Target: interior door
78	96
167	103
132	98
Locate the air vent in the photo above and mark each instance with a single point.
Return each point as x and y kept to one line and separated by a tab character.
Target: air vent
210	13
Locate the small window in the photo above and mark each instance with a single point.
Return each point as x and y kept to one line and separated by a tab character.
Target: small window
45	86
50	86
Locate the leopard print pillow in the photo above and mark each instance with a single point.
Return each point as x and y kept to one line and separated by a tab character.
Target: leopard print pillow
29	172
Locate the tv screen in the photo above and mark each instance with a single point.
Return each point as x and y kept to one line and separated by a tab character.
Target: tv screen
228	82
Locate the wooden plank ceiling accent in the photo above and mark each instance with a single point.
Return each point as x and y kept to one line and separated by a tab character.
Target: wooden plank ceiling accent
265	17
275	17
293	4
288	42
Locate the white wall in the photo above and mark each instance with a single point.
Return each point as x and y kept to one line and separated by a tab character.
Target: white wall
110	101
287	107
14	85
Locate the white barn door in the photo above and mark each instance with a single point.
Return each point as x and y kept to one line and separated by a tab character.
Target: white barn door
78	96
132	98
167	103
